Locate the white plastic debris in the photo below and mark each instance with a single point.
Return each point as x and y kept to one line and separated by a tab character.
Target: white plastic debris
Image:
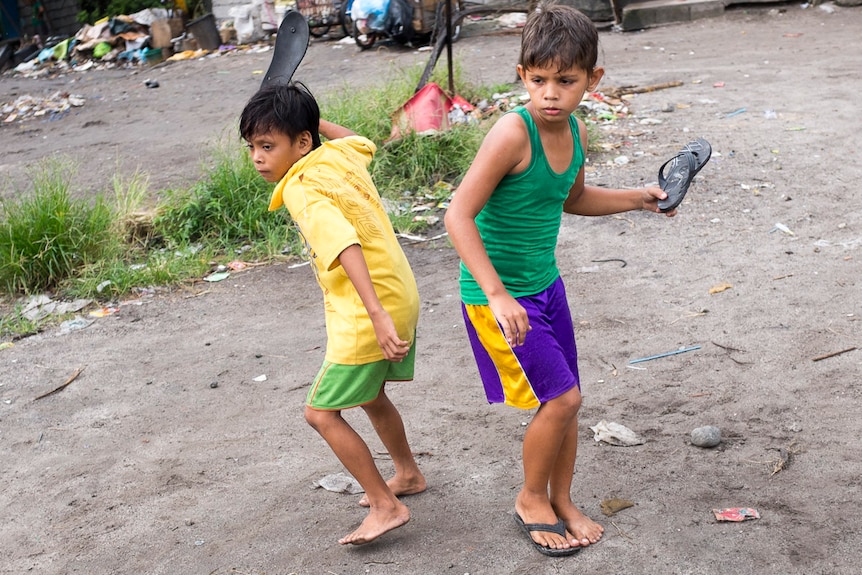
339	483
615	434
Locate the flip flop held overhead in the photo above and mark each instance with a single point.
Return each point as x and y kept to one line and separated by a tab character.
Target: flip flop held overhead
291	43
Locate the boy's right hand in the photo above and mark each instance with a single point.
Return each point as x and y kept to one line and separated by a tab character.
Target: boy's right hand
394	348
512	317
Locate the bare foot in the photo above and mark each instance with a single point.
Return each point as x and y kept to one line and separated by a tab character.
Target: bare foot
401	487
376	523
584	531
547	539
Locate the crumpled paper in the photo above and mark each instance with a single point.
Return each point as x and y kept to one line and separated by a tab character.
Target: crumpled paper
615	434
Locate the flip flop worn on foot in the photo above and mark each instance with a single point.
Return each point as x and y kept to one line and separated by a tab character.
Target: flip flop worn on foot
681	170
559	528
291	42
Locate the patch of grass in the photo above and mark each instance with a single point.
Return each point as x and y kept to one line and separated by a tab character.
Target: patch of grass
49	241
229	208
15	325
47	235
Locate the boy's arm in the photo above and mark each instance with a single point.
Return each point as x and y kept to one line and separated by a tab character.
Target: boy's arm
394	348
332	131
501	152
586	200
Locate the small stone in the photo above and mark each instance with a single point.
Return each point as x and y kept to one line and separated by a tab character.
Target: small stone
214	384
706	436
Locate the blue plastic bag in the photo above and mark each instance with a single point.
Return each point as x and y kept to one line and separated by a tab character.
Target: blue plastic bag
373	11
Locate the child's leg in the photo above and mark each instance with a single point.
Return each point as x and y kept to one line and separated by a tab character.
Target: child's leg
386	512
544	439
408	479
583	529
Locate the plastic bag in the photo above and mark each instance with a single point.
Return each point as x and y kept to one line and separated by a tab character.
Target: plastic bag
399	21
246	22
373	11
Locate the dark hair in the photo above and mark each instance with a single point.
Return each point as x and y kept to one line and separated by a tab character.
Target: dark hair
286	108
561	35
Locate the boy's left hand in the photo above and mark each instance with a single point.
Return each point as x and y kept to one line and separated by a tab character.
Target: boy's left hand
651	197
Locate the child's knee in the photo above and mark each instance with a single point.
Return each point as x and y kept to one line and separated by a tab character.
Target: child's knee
569	402
317	418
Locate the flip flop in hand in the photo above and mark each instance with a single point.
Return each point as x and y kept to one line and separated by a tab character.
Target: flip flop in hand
675	175
291	43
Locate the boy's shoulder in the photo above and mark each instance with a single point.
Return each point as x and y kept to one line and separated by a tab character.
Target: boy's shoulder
511	127
355	143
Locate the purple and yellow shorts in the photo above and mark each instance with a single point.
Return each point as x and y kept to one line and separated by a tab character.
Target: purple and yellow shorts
545	367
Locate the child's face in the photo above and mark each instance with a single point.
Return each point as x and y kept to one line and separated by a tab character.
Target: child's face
274	153
556	93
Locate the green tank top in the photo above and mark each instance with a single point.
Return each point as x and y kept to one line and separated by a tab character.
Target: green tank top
521	221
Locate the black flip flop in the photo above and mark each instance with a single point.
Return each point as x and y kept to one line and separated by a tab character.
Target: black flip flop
681	170
291	42
559	528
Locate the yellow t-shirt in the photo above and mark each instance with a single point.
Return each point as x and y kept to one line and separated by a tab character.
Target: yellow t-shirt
334	203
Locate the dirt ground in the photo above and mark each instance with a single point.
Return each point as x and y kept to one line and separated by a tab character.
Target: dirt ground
142	464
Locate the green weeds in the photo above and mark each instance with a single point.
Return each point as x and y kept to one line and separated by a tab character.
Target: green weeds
106	249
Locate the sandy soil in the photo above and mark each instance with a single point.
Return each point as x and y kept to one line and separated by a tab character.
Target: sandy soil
143	465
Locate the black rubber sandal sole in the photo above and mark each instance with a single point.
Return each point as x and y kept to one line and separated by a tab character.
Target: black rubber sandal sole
681	170
291	42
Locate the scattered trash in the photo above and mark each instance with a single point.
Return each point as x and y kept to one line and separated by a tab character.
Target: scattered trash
339	483
770	114
38	307
833	354
782	461
665	354
736	514
608	260
72	378
779	227
53	107
429	111
851	244
735	113
614	505
77	305
724	286
151	83
103	285
706	436
6	345
217	277
615	434
75	324
103	312
259	378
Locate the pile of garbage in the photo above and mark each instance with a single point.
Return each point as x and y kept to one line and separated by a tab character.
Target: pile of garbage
146	37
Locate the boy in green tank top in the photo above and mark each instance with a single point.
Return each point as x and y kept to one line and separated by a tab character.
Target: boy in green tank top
504	221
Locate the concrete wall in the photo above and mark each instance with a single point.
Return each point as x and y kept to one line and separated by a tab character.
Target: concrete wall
61	15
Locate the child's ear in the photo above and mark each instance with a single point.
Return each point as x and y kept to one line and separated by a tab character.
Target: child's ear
596	77
305	142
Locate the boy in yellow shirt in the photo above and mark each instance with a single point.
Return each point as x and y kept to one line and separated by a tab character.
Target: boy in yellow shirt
371	300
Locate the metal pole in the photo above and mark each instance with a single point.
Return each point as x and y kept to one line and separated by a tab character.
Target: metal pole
449	46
